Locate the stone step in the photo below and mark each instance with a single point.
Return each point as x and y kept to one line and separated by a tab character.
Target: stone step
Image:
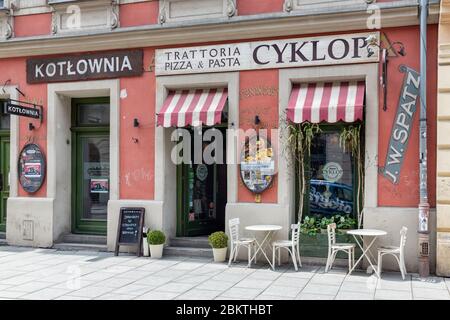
188	252
83	239
190	242
66	246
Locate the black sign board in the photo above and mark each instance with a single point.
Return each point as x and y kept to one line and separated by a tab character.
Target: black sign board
124	63
14	107
31	168
129	230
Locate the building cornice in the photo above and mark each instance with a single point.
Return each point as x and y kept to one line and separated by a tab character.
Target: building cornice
393	14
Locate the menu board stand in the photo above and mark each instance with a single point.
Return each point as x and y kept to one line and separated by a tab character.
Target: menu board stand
129	230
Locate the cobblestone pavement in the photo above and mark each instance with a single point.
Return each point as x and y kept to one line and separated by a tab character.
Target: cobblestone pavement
27	273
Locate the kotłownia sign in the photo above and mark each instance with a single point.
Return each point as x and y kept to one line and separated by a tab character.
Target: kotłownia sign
87	66
336	49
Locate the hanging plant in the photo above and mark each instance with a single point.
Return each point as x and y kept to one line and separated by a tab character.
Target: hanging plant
350	140
299	141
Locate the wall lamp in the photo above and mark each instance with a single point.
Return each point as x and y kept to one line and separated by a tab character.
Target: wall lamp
135	123
372	41
257	120
31	126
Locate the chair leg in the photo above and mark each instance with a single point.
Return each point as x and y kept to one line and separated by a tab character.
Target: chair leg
380	262
249	249
231	255
353	257
327	266
236	253
293	258
349	259
333	257
254	249
274	249
298	256
279	256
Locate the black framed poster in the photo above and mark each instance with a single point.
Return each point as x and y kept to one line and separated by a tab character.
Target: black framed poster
31	168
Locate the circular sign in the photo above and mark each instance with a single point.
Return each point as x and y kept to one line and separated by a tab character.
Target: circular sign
31	168
332	171
257	165
202	172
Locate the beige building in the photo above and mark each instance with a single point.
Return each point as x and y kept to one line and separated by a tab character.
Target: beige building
443	144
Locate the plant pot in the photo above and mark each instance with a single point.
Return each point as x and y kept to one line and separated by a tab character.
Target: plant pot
323	231
156	250
220	255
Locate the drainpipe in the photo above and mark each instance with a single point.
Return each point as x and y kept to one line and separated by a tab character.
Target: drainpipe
424	207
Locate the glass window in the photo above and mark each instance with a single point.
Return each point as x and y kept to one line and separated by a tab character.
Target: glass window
5	119
330	176
96	114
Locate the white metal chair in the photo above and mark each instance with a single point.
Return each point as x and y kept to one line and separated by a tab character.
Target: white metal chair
236	242
292	246
334	248
397	252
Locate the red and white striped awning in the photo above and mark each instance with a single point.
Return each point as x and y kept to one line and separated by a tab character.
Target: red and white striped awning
326	101
193	107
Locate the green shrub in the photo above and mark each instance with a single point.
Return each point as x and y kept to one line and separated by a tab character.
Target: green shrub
218	240
155	237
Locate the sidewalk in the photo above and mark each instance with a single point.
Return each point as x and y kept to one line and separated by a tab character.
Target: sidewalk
27	273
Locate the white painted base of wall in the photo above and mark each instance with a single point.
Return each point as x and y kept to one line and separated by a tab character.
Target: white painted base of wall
38	214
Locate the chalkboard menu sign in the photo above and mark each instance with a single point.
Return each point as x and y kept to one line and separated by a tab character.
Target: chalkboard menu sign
31	168
129	230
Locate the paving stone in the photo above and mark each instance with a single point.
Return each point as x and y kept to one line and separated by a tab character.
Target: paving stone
438	294
190	278
45	294
69	297
179	287
343	295
290	281
97	276
11	294
253	283
18	280
92	291
153	281
430	283
242	293
327	279
199	294
215	285
321	289
133	289
283	291
158	295
314	296
383	294
358	287
394	284
32	286
113	296
117	282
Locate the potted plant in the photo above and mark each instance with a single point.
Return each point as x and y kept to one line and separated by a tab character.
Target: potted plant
324	222
219	242
156	240
309	226
344	223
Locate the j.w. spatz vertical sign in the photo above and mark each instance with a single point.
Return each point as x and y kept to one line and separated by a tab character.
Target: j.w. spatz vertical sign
323	50
85	66
402	127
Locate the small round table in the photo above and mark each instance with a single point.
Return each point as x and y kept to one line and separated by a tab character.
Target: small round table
269	229
365	253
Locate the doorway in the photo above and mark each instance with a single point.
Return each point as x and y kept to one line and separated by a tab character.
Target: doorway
4	163
202	191
90	164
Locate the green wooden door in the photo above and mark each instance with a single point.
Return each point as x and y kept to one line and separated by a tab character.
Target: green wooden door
90	165
4	178
4	164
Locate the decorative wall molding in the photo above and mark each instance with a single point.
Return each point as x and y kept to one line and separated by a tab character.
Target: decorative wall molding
261	26
292	5
6	24
188	10
85	16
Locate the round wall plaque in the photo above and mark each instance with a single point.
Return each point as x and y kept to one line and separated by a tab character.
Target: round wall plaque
31	168
257	165
332	171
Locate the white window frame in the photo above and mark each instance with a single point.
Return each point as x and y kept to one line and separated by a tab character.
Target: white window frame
321	5
227	9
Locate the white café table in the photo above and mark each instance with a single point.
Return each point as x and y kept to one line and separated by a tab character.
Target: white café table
361	233
268	229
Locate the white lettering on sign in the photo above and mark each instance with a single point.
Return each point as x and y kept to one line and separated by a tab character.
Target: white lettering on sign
267	54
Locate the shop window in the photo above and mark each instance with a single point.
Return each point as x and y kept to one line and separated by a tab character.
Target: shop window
185	10
5	119
2	3
92	114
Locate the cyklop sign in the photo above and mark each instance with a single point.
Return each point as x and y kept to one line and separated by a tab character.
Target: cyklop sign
299	52
401	129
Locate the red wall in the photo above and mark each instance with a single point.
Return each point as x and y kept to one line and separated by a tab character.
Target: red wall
137	14
266	107
406	192
137	160
33	25
248	7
